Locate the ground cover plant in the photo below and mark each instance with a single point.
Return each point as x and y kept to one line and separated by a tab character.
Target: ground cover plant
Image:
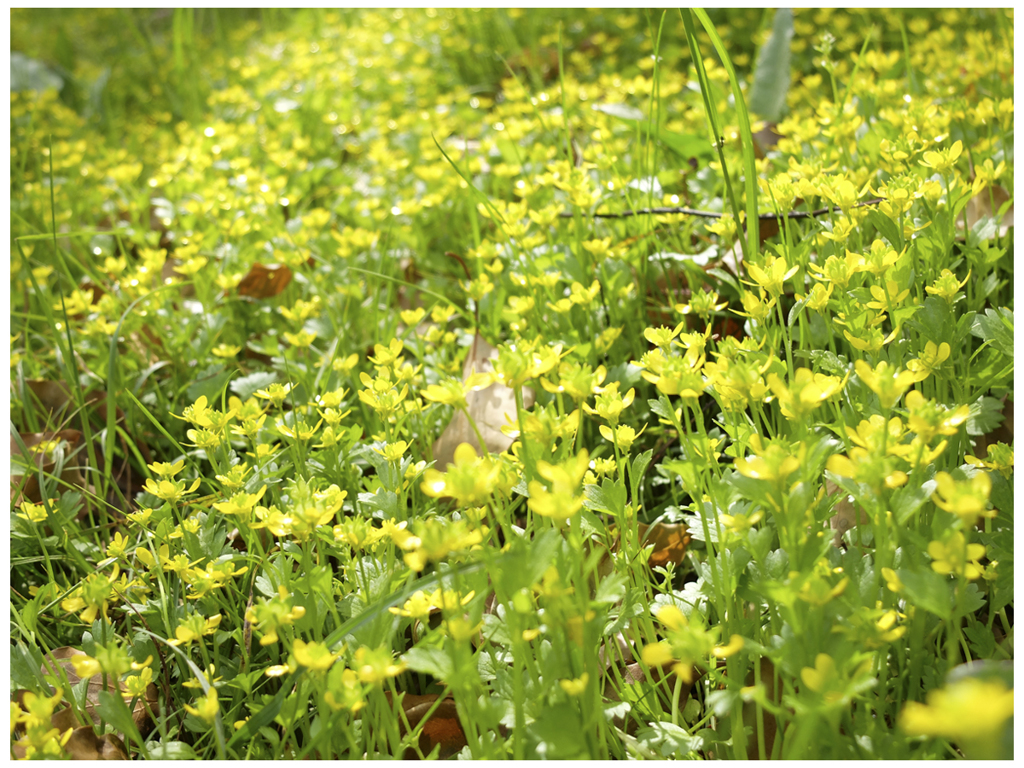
512	384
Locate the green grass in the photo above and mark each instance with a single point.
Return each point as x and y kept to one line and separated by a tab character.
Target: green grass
730	491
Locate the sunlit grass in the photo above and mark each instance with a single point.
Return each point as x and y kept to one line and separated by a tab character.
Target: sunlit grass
346	364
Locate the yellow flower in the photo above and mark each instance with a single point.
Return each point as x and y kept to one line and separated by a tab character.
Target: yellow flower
735	645
240	504
85	666
772	275
623	436
93	594
609	405
194	627
168	490
955	556
35	513
470	480
376	665
576	686
968	500
207	707
887	298
930	360
892	580
822	678
561	501
884	380
344	690
946	285
929	419
314	656
942	160
1000	458
817	298
807	391
838	271
775	462
270	615
971	712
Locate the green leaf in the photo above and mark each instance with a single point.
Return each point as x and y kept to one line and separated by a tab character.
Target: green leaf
927	590
621	111
830	362
611	589
636	472
658	408
771	76
610	497
726	278
113	709
430	661
246	386
171	750
686	145
985	415
935	321
31	75
794	312
996	326
558	727
668	740
886	226
26	666
908	500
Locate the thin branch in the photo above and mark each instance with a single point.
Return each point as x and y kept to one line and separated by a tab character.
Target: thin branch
715	214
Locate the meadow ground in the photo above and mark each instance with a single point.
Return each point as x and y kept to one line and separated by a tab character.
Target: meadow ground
404	383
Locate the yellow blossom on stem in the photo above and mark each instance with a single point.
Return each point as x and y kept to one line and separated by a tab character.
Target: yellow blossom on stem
971	712
885	380
966	499
929	360
560	501
955	556
942	160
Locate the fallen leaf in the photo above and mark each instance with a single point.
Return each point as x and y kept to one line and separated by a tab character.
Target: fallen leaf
25	482
84	744
263	282
633	674
64	718
443	728
53	396
170	272
488	407
846	516
669	540
986	204
768	720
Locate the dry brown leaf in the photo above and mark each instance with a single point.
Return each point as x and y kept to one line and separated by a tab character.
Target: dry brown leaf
669	540
64	718
83	744
982	206
170	272
25	486
442	728
488	407
53	396
633	674
847	514
263	282
768	720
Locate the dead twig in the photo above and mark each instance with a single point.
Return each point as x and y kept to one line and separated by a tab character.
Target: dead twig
714	214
